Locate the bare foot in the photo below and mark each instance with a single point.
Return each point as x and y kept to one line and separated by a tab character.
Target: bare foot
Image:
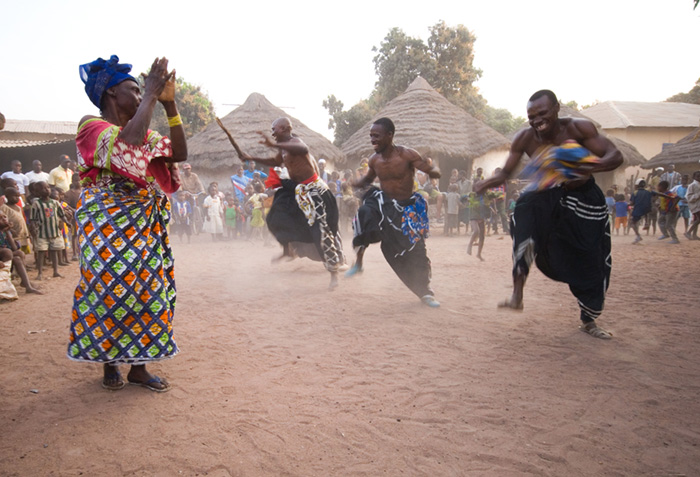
334	282
38	278
57	275
511	303
31	289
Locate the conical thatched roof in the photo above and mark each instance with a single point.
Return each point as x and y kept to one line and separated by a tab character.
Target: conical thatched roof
685	151
211	149
429	123
630	155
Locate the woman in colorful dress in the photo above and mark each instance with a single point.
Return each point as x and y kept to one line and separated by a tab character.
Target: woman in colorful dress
124	302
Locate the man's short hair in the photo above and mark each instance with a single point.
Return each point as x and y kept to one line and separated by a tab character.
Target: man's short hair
387	124
544	92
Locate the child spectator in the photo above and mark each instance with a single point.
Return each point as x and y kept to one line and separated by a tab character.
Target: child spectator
257	219
47	219
182	223
668	212
478	212
214	213
72	197
230	212
621	207
5	184
641	206
10	254
15	215
452	200
610	202
69	218
681	190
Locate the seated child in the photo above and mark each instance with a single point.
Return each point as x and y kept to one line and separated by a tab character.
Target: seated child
11	254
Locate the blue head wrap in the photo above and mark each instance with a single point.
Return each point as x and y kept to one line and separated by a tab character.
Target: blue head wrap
100	75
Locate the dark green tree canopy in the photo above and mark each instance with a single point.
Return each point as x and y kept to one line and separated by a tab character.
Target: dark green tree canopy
692	96
347	122
446	61
194	106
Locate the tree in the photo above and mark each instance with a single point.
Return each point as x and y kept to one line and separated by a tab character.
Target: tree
446	61
453	73
346	123
399	61
194	106
502	120
692	96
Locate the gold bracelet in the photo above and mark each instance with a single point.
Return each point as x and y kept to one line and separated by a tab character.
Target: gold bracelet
175	121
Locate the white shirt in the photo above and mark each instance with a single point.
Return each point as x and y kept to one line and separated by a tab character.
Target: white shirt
693	197
34	177
20	178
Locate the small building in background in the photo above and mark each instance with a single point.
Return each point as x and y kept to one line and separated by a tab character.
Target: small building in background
27	140
646	126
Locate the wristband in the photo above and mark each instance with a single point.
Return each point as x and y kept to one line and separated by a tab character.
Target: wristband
175	121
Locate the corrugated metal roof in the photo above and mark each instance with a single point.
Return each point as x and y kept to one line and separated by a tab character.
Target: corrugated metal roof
42	127
624	114
9	144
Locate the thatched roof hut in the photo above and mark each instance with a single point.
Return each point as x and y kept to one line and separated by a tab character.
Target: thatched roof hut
685	154
211	150
436	128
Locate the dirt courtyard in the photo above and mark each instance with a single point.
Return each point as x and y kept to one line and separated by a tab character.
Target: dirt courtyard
279	377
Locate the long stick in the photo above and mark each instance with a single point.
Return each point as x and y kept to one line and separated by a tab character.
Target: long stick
230	138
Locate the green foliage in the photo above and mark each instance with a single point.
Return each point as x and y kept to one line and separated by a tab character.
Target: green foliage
446	61
453	71
399	61
346	123
194	106
692	96
502	121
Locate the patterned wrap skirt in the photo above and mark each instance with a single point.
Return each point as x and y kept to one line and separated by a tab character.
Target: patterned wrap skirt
124	302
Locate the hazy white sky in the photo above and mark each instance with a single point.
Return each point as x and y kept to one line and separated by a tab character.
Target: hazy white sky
297	53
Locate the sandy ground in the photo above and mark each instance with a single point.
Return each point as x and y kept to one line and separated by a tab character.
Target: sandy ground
278	377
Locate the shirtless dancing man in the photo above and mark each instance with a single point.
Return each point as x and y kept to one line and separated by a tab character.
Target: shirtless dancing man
313	197
561	221
394	215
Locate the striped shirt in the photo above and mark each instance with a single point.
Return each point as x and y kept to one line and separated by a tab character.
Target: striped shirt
47	216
